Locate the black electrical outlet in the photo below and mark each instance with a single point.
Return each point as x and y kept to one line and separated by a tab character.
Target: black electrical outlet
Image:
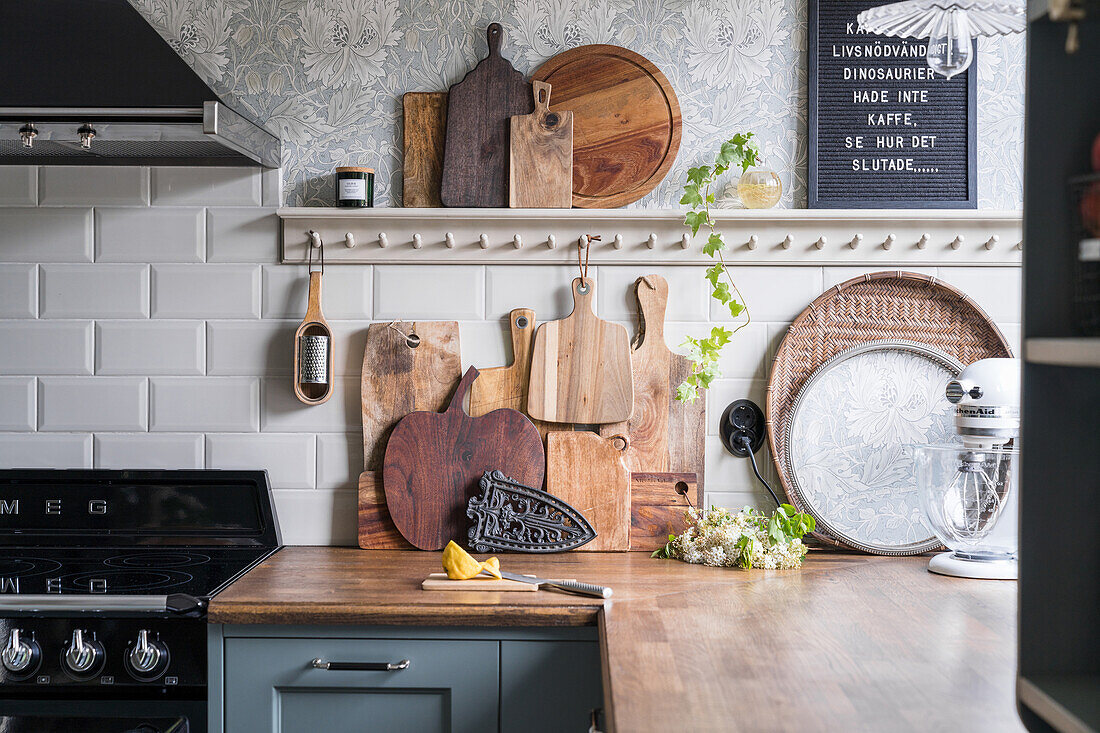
742	419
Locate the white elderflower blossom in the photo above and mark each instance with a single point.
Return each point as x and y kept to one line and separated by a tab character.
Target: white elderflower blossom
746	539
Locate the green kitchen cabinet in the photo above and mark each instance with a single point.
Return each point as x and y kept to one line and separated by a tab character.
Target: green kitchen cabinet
263	679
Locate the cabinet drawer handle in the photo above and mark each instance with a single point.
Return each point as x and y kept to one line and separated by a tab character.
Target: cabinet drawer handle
319	663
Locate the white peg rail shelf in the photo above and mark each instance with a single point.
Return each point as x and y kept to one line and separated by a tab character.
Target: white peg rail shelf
855	237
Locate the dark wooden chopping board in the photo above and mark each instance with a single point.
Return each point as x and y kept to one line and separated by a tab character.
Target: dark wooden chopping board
479	110
434	460
626	122
424	130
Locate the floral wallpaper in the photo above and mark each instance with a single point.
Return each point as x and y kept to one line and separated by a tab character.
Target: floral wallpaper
328	75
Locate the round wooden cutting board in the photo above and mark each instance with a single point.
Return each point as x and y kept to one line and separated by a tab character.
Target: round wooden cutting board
626	122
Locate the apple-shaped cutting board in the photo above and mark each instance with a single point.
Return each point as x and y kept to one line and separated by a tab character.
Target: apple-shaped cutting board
434	460
580	367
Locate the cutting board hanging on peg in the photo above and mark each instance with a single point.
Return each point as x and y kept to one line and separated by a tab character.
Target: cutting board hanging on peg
580	367
587	472
475	156
507	386
666	435
541	167
434	461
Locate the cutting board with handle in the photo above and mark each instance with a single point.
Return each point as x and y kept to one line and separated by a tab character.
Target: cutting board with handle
666	435
475	156
506	386
425	129
580	366
587	472
434	460
658	504
540	172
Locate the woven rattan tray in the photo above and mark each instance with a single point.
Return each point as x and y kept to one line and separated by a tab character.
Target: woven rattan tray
895	305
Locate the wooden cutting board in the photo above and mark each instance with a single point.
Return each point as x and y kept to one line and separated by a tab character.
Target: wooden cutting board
434	460
399	378
475	157
657	508
376	530
626	122
440	581
580	367
425	130
498	387
587	472
541	166
666	435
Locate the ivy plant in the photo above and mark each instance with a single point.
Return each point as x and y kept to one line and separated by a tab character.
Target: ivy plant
739	151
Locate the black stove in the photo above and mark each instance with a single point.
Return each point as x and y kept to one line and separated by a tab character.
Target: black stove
104	581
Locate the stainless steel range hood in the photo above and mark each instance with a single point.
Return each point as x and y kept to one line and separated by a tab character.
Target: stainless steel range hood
90	82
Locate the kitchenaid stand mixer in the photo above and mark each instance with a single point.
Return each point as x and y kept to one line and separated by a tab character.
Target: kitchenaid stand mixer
969	491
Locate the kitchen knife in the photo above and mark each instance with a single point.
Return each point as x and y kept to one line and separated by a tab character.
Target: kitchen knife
571	586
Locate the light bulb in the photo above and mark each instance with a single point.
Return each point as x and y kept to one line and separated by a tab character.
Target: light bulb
950	49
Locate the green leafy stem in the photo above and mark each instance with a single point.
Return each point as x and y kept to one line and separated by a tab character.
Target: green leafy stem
740	151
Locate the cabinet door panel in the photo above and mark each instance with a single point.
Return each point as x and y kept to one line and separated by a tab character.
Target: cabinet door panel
272	687
549	686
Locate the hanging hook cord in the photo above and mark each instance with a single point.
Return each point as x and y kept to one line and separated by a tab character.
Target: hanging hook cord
321	248
583	266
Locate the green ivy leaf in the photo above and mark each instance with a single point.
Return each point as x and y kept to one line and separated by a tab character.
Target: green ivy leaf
736	308
699	174
691	196
686	392
713	273
715	243
695	219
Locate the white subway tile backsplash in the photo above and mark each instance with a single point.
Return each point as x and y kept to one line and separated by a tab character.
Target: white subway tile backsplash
743	358
345	292
727	472
17	403
724	391
688	298
546	289
290	460
271	181
485	344
411	292
206	291
772	293
339	460
40	450
214	404
41	347
1012	333
283	413
18	290
18	185
98	185
261	348
148	451
349	338
995	289
319	517
192	186
242	235
46	235
94	291
150	347
737	500
149	235
93	403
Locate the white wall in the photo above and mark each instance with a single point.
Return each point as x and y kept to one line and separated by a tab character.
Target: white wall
145	322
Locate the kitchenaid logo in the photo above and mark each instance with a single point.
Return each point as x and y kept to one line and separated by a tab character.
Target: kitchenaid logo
53	506
9	585
979	411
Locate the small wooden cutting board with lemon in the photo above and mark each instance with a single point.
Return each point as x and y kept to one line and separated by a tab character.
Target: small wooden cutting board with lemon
464	572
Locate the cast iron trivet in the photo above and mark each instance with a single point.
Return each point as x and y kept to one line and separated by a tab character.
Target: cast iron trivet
510	517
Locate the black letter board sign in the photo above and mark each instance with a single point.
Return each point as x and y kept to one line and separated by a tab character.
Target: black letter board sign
885	131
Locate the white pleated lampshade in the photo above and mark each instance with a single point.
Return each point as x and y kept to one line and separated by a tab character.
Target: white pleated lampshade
919	18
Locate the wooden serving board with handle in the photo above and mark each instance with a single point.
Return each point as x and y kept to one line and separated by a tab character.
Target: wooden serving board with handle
540	173
580	367
626	122
425	130
434	460
658	504
587	472
475	157
666	435
506	386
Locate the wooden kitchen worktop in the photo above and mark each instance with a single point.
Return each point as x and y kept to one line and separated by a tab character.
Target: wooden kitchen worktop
850	642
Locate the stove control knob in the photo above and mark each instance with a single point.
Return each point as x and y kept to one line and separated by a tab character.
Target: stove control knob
22	655
147	658
83	658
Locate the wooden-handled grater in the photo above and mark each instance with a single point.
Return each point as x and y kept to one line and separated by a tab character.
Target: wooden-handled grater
313	341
